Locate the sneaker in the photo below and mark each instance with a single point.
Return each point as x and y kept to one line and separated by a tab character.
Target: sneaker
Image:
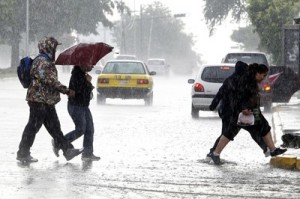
208	157
55	148
216	158
28	159
90	158
71	153
278	151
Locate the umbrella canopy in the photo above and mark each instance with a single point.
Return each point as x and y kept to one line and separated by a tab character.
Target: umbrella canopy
83	54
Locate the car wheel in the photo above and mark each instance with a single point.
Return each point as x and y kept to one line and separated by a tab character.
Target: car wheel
195	112
149	100
268	107
101	100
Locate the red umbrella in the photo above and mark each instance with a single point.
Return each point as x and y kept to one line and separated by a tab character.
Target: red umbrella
83	54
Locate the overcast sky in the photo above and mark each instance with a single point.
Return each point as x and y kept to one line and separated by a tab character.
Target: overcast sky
212	48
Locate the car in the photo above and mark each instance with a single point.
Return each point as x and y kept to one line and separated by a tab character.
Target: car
125	79
205	86
158	65
266	93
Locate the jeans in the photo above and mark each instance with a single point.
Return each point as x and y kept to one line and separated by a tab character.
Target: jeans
42	114
83	120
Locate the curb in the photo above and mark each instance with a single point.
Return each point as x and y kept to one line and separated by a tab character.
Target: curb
286	162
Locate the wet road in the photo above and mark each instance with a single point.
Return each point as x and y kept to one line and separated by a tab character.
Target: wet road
146	152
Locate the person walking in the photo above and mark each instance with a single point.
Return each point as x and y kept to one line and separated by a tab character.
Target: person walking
42	95
243	96
78	108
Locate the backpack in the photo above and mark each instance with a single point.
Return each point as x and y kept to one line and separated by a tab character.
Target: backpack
24	68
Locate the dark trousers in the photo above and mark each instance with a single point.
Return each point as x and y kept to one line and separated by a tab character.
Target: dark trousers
83	120
42	114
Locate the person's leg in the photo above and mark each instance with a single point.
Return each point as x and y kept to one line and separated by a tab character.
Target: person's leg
255	132
78	115
89	133
36	118
52	125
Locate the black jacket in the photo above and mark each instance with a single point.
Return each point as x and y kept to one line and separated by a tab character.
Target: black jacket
227	95
82	87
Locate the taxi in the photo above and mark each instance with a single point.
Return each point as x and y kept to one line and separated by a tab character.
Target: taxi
125	79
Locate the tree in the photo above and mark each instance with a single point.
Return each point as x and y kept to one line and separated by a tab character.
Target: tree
156	33
247	38
55	18
268	18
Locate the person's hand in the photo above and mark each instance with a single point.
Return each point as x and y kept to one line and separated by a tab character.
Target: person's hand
71	93
88	77
211	107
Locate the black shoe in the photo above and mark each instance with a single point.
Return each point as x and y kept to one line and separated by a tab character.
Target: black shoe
27	159
71	153
90	158
208	157
278	151
216	159
55	148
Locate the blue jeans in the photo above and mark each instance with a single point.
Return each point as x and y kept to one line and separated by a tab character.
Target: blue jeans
83	120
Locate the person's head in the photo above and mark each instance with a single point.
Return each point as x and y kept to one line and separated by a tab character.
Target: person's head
241	67
48	46
259	71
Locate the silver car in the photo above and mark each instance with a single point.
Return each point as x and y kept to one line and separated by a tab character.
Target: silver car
206	85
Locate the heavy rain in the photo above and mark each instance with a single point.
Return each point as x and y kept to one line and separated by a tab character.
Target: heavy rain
153	144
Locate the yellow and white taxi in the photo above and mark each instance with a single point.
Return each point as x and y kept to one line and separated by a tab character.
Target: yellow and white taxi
125	79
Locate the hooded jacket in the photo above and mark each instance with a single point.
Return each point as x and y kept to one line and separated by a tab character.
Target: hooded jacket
45	87
227	94
82	87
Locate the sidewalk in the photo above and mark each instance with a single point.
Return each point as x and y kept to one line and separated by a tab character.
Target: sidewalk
286	120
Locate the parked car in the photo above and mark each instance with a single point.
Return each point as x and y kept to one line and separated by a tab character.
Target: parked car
206	85
158	65
266	93
125	79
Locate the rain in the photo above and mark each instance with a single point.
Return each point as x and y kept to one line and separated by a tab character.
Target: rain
147	151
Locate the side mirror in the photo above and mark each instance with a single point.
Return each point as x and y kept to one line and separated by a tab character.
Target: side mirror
191	81
98	72
152	73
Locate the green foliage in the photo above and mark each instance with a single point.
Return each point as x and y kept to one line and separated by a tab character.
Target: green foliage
268	17
247	38
55	18
156	33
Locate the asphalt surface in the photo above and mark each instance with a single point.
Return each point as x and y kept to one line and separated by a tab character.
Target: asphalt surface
286	120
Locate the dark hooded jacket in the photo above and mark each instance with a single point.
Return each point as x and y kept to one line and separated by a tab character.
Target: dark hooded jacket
82	87
227	94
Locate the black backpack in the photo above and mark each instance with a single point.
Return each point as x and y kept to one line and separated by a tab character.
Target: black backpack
24	68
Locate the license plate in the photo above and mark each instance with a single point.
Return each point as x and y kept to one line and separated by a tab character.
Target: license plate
123	82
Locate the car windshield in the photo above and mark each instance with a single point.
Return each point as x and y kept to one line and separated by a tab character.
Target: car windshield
124	68
247	58
216	74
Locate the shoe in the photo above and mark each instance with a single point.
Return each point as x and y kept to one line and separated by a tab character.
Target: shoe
216	159
71	153
90	158
27	159
208	157
278	151
55	148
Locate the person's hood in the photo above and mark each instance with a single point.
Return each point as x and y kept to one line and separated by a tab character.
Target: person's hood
241	67
48	46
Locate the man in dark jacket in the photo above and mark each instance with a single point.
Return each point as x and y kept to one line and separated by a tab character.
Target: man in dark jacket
78	108
42	95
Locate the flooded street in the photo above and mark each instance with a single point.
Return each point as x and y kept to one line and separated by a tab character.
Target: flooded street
146	152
